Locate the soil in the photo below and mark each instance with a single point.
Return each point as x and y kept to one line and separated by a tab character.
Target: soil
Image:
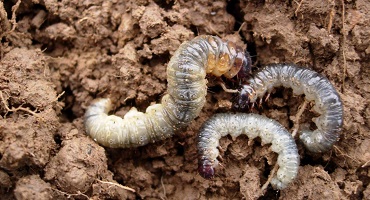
57	56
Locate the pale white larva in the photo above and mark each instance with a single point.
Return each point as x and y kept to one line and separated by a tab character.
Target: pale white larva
252	125
186	91
316	88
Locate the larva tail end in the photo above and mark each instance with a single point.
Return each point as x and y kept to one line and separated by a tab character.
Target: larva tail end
98	107
104	103
315	142
277	185
206	170
243	98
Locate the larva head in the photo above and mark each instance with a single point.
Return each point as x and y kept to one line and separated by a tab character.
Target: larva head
246	67
241	66
243	98
206	169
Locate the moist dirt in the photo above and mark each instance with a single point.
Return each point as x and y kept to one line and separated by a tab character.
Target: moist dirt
57	56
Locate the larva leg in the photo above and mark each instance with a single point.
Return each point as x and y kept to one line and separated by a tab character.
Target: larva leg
186	91
316	88
252	125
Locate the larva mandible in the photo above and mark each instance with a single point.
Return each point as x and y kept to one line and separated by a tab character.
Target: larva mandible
186	91
316	88
252	125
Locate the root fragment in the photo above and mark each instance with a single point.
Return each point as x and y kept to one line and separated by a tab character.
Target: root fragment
297	118
68	195
227	89
272	174
117	185
18	108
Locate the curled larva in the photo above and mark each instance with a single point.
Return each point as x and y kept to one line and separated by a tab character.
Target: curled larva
252	125
316	88
186	91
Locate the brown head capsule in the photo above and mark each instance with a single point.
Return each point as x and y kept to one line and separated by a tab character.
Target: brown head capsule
246	66
205	169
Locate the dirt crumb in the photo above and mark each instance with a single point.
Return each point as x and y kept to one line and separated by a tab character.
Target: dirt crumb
25	145
32	187
81	161
5	181
151	22
250	183
25	78
367	192
30	106
312	182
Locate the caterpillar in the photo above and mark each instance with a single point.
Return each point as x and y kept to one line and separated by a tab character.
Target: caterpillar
316	88
252	125
186	91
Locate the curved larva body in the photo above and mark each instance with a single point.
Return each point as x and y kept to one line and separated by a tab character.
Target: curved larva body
186	72
252	125
316	88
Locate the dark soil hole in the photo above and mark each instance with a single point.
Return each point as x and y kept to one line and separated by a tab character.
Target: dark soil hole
180	150
69	100
316	159
365	179
233	8
131	103
194	29
157	59
251	48
167	5
58	140
8	8
271	193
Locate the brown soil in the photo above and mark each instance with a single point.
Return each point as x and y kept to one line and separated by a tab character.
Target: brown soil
57	56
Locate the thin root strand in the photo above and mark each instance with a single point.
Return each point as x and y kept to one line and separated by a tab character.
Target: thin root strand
68	195
272	174
227	89
298	116
18	108
117	185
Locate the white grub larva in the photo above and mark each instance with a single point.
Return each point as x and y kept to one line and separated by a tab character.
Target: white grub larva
186	91
316	88
252	125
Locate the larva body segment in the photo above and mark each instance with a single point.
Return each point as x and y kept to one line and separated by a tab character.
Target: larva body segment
316	88
186	91
126	132
252	125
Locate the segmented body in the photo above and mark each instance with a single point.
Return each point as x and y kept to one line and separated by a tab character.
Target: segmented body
316	88
252	125
186	91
